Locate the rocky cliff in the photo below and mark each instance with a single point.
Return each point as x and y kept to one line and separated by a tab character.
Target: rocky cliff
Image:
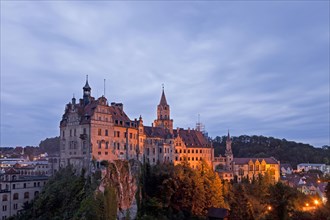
122	177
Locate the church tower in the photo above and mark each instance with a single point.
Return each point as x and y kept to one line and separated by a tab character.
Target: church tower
86	92
163	114
228	153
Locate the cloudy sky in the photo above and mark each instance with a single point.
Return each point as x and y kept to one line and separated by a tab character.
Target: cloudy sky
252	67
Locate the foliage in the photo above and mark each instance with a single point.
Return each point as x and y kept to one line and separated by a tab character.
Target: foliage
281	199
69	196
327	193
283	150
180	192
50	145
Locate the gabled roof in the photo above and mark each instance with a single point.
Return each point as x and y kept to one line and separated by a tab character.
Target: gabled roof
11	171
268	160
118	114
192	138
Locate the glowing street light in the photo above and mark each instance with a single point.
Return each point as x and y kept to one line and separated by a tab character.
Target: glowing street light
316	202
269	208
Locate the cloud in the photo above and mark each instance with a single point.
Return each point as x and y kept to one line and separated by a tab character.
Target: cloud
238	65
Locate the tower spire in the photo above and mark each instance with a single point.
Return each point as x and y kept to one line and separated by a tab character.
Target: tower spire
228	136
163	98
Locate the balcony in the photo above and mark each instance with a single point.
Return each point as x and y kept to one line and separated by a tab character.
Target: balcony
83	136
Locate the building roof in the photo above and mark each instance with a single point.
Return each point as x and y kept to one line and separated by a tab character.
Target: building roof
118	114
87	85
11	171
192	138
218	213
286	166
156	132
268	160
311	164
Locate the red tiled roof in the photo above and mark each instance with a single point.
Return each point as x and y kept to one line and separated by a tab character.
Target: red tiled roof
118	114
192	138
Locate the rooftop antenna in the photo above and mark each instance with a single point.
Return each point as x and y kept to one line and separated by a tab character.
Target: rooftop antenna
104	88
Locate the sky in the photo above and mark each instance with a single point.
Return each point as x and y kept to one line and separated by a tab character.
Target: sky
255	68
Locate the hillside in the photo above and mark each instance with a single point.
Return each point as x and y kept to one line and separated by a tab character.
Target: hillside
50	145
283	150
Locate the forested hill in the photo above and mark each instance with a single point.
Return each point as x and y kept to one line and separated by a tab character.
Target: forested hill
50	145
283	150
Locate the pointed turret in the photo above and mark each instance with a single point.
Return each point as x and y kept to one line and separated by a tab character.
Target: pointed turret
87	87
86	92
228	137
163	114
163	99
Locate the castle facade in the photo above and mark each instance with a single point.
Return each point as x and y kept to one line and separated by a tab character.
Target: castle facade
92	130
230	168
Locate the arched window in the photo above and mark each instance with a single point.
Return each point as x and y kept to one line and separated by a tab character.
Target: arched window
26	195
5	198
15	196
36	193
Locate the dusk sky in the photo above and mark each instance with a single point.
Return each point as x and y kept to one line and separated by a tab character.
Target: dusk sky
255	68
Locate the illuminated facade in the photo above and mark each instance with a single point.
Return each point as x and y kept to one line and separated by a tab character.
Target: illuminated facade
93	130
229	167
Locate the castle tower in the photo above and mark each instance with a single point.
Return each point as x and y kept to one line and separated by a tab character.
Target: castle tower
163	114
228	153
86	92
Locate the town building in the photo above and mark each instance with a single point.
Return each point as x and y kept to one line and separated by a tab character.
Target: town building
311	166
286	169
230	168
93	130
16	189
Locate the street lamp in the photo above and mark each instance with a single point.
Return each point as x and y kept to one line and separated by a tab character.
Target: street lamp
316	202
269	208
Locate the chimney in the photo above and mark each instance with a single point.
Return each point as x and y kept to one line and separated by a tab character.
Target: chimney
188	129
152	124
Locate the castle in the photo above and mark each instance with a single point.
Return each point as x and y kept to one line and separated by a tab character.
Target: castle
91	130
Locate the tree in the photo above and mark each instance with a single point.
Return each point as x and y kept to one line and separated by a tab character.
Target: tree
327	194
240	206
281	198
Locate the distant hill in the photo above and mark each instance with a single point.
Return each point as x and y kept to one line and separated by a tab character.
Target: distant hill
283	150
50	145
